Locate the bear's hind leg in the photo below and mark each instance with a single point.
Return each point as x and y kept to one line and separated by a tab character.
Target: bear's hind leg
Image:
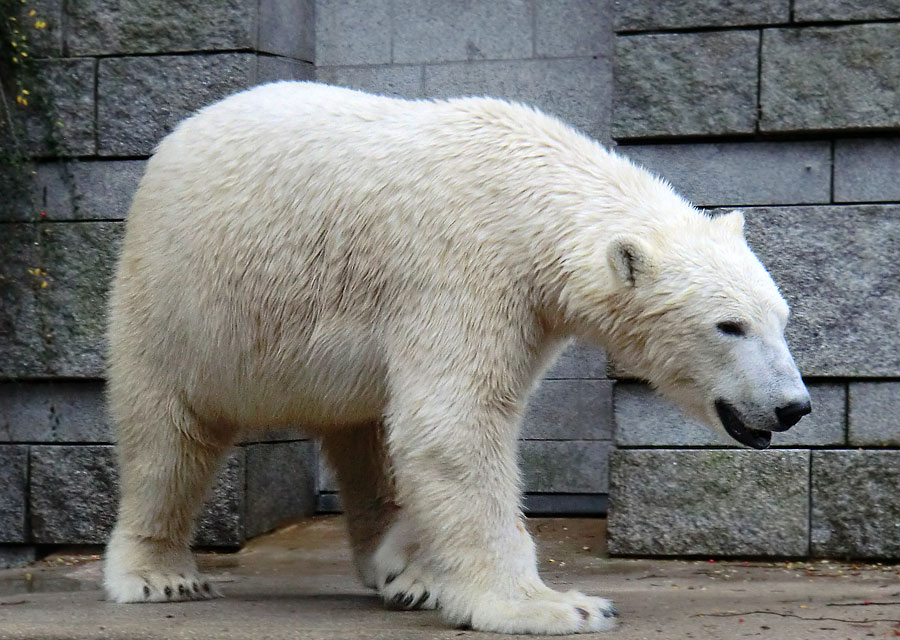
167	462
383	549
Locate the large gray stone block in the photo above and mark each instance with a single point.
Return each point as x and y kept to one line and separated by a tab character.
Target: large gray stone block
440	31
59	117
58	411
54	286
874	414
830	78
70	190
573	28
14	495
288	28
728	174
709	502
867	170
685	84
401	81
578	360
570	410
153	26
837	266
281	484
353	32
855	504
841	10
74	492
275	68
574	89
570	466
142	98
646	419
648	15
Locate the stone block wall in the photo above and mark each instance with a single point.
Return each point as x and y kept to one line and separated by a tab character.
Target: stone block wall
785	108
788	110
89	89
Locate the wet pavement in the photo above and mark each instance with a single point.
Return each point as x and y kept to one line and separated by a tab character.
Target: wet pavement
298	582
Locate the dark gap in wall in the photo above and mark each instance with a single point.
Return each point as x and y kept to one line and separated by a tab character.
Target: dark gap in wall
831	185
750	27
791	11
152	54
759	79
847	413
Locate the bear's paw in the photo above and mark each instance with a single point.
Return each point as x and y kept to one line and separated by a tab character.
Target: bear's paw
159	587
549	613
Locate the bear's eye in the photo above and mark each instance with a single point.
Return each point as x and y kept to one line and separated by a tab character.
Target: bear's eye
731	328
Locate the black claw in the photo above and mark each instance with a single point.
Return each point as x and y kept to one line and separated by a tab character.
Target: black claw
390	578
181	590
195	587
614	612
397	600
422	600
607	613
168	591
146	591
583	613
408	600
206	587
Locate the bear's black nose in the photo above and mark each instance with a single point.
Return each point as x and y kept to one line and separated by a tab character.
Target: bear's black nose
790	414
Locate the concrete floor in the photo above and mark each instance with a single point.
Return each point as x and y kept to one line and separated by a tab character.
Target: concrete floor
298	583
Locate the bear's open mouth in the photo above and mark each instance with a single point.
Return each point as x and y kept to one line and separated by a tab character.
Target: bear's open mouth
737	430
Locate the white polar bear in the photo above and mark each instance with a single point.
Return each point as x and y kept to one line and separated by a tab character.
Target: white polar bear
395	276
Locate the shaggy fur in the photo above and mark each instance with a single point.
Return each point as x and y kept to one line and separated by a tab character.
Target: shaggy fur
395	276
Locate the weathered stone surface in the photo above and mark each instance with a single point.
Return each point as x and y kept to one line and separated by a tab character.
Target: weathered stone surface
685	84
281	484
154	26
55	284
867	170
39	34
70	190
274	68
578	361
142	98
74	493
723	174
837	266
855	504
353	32
288	28
59	116
840	10
22	347
874	414
709	502
13	497
575	89
646	15
830	78
573	28
58	411
439	31
79	260
646	419
222	522
570	410
569	466
402	81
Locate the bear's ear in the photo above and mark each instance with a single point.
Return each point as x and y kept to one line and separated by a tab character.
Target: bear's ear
630	259
733	221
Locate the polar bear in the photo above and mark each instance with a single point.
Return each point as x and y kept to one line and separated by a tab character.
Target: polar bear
394	276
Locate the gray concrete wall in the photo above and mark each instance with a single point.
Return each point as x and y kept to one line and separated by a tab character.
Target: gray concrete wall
787	109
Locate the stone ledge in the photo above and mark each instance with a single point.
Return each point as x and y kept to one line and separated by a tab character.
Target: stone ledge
570	466
874	416
713	502
58	411
840	10
867	170
570	410
741	174
13	497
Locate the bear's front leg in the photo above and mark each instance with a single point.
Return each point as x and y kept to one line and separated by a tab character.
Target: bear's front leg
458	481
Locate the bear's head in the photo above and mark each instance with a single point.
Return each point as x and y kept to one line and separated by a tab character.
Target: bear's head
697	314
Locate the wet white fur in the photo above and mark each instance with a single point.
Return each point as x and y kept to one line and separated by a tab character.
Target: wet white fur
394	276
